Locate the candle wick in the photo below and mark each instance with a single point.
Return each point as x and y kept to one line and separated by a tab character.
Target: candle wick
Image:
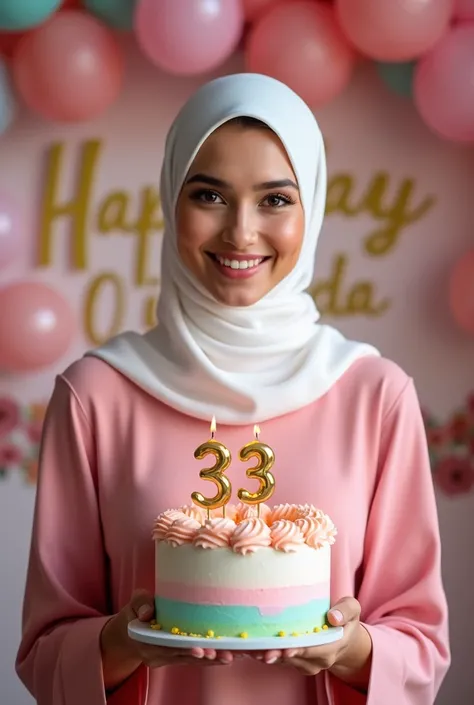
213	435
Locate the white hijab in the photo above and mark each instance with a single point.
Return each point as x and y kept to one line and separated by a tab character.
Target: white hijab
249	364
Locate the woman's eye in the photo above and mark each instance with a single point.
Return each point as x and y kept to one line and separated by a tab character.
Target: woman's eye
207	196
276	200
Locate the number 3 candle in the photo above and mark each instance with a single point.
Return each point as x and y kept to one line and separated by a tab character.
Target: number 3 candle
215	473
260	472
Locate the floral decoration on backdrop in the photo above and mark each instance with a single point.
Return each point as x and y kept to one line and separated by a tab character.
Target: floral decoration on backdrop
451	444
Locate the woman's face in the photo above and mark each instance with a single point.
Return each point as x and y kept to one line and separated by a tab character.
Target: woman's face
239	217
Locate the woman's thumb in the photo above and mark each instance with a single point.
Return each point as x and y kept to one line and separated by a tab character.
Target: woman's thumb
143	605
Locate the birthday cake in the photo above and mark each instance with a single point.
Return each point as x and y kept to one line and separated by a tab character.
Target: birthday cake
252	573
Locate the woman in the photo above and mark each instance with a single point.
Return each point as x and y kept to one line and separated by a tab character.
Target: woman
243	190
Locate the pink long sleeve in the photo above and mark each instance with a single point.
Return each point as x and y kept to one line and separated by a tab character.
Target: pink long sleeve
66	603
402	597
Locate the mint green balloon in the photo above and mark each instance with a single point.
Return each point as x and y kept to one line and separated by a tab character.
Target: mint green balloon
398	77
116	13
16	15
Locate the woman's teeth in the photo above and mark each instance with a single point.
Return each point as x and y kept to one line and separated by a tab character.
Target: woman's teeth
239	264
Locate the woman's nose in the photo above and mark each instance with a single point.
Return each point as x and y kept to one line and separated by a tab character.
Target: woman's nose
240	229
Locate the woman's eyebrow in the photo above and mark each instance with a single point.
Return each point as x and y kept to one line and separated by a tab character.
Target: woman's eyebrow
220	183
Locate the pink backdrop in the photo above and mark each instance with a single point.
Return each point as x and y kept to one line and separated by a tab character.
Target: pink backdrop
399	216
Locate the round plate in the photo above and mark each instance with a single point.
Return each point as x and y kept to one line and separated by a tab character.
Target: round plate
142	631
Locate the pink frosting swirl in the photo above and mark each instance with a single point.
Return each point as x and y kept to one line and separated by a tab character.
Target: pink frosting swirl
191	510
283	511
163	523
309	510
215	533
307	525
317	531
182	530
230	512
249	511
250	535
286	536
330	530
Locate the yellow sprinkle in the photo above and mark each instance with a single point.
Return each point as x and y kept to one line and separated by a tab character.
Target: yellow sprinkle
317	629
218	637
183	634
155	626
210	634
281	633
174	630
294	634
199	636
244	635
325	626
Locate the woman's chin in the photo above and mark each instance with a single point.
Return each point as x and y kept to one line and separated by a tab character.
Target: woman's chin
236	299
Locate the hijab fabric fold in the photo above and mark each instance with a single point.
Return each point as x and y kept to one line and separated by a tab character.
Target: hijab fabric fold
249	364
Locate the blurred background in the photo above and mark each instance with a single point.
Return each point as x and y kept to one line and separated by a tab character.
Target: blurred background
87	92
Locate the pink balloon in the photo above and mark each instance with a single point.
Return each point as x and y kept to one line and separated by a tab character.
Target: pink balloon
461	292
394	30
443	87
463	9
69	69
187	38
300	44
11	234
253	9
36	326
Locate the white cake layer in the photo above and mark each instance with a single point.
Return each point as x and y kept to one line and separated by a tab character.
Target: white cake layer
221	567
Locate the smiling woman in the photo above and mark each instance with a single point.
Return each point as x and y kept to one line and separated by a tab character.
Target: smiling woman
238	337
239	217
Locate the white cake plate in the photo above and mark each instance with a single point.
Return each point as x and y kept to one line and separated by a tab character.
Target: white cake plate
142	631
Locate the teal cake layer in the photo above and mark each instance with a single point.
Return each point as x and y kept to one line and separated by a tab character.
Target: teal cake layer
225	620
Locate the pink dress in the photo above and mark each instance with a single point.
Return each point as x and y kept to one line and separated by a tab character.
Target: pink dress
113	457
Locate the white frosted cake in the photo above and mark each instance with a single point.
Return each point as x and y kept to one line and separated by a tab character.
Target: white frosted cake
243	575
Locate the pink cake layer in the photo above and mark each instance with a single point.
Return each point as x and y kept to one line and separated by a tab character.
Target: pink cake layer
273	599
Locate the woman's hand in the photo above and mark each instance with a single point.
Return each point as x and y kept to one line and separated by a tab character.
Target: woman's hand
349	658
121	655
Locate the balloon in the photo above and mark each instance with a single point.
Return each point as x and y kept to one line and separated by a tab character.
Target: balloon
398	77
9	42
7	101
186	38
463	9
444	87
300	44
70	69
254	9
22	14
461	292
36	326
394	30
11	234
116	13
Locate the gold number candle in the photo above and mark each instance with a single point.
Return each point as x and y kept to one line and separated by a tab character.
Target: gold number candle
260	472
215	473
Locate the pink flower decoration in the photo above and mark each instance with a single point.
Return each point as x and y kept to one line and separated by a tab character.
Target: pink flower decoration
9	416
459	429
436	437
455	475
34	430
10	455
